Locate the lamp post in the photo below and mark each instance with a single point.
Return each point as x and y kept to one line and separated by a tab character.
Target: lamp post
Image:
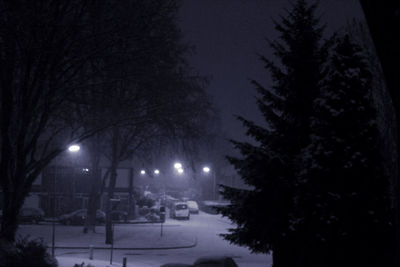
207	170
72	149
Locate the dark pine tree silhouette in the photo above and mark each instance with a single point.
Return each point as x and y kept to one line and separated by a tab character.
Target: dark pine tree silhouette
263	213
383	22
343	202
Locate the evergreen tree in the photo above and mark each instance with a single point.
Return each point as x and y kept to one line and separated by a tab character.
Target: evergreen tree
343	204
263	214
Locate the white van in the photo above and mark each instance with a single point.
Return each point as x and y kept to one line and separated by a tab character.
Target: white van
179	210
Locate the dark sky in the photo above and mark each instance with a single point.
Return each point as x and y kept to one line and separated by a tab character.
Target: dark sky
228	34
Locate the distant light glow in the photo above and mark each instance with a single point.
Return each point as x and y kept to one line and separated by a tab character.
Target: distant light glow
85	170
206	169
74	148
178	165
142	172
156	171
180	171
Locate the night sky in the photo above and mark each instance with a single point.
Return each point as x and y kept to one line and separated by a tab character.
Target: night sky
228	34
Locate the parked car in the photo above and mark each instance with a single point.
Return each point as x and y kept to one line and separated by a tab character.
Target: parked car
78	217
31	215
119	216
193	206
179	210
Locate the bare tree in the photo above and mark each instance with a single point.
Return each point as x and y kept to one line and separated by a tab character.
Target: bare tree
143	87
45	46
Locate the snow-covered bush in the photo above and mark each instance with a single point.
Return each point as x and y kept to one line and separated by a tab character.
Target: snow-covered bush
27	253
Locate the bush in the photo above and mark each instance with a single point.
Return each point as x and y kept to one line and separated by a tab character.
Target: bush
27	253
144	211
145	201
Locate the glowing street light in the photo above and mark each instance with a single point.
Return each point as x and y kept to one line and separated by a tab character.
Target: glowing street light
178	166
156	171
180	171
206	169
142	172
74	148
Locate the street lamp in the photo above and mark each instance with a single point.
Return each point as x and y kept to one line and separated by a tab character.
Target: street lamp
142	172
178	165
73	149
207	170
156	172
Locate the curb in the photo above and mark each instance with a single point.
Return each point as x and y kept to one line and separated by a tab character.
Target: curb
134	248
134	222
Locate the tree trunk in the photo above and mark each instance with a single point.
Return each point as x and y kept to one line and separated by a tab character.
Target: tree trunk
93	200
15	189
131	199
109	207
94	197
109	233
9	224
112	182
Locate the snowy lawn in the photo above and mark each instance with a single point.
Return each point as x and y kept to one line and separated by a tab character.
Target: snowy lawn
126	236
70	262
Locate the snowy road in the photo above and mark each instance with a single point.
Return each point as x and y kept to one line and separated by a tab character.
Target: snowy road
204	226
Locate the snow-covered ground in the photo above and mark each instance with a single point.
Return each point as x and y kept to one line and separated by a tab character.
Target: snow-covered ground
141	243
135	236
71	261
